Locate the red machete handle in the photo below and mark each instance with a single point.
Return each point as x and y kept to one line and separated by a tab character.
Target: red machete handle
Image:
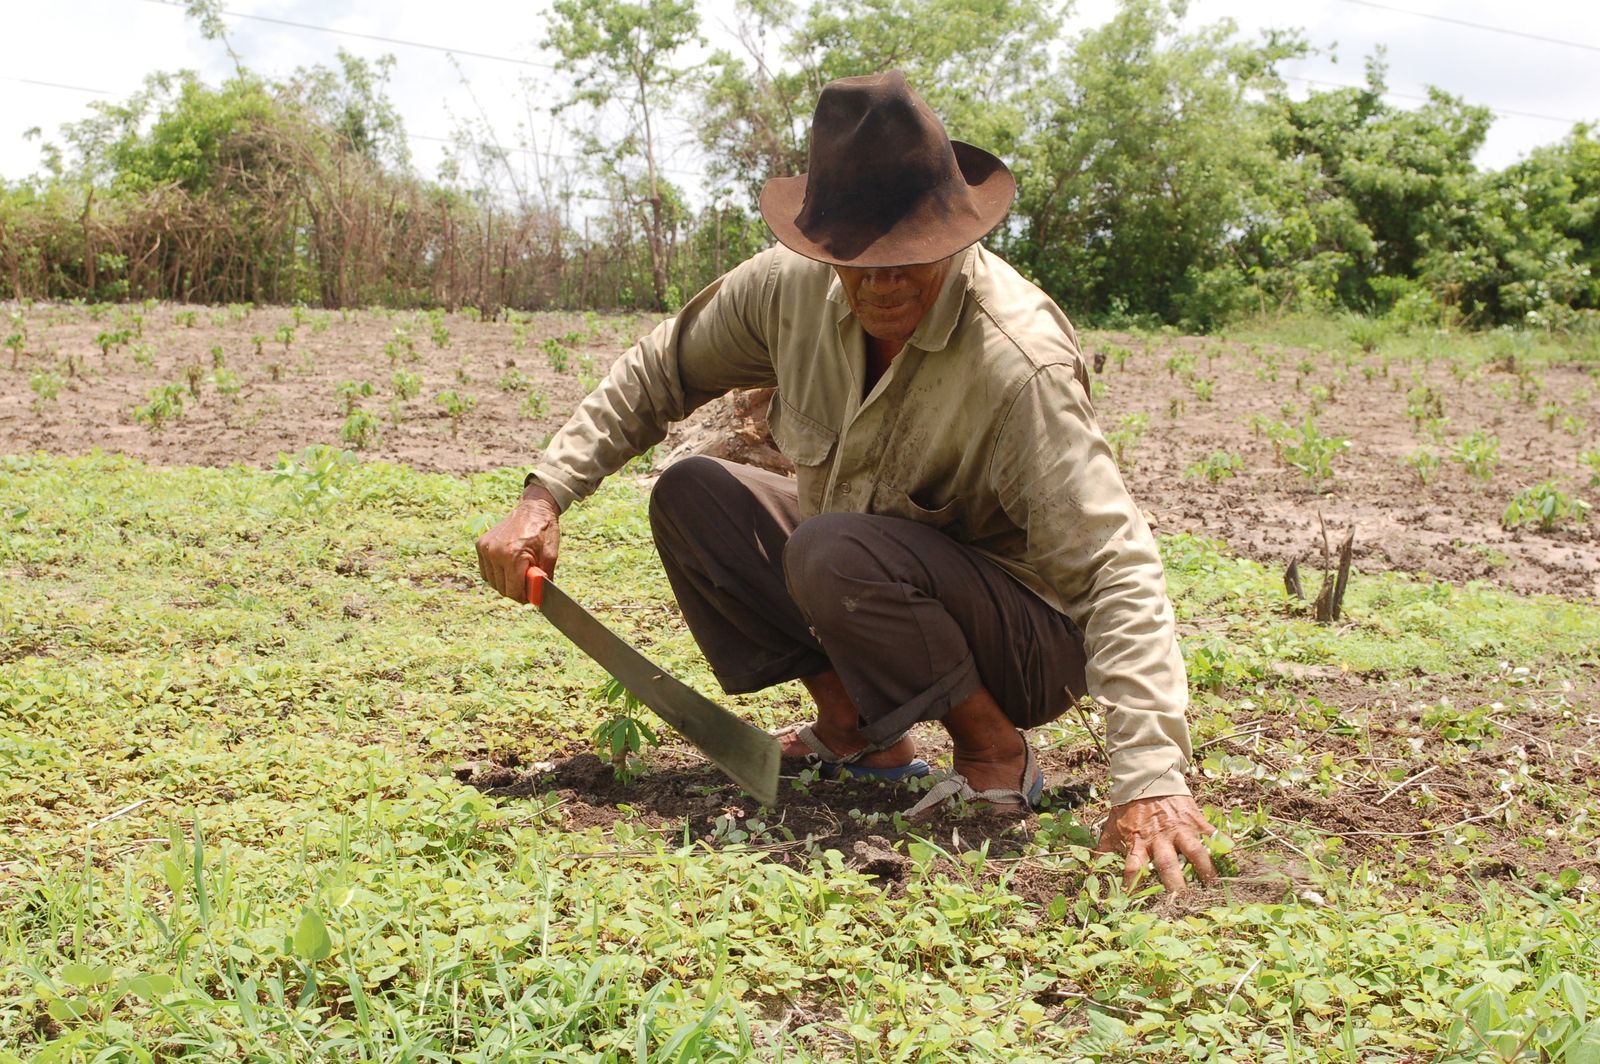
536	579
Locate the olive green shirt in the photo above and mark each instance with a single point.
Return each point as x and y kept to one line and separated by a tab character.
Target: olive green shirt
981	427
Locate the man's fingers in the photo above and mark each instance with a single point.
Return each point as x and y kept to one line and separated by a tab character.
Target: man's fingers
1167	866
517	575
1137	859
1191	847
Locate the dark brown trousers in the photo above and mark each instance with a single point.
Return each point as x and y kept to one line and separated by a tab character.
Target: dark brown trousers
912	621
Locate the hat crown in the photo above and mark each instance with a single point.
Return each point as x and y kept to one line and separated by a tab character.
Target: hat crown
878	152
885	186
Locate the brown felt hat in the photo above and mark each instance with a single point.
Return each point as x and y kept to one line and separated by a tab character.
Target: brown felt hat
886	185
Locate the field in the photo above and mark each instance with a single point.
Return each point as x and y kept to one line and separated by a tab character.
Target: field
283	781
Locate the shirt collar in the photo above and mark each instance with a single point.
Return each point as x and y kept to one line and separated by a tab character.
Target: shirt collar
933	332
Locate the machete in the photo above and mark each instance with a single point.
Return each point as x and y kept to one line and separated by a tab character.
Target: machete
746	753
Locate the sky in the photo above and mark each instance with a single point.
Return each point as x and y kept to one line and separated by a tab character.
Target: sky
1540	86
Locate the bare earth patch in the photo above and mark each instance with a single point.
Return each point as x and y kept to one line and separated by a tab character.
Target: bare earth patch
1448	528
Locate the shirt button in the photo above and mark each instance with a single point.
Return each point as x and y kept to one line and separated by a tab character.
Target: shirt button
844	489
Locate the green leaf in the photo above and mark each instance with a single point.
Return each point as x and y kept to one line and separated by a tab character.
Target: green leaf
84	977
311	939
66	1010
151	988
1576	997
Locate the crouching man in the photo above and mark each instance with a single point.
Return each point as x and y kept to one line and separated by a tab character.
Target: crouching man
957	545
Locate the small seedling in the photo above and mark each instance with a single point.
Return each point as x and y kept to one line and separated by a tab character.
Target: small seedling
193	374
313	477
285	336
1215	467
1545	506
274	371
512	380
361	430
441	334
1124	439
1423	404
556	354
226	382
256	341
534	405
350	393
1424	463
456	407
1478	453
46	385
186	318
1312	452
218	359
165	403
622	735
406	385
1591	459
105	341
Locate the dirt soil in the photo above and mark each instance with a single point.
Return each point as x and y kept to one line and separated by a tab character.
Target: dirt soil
1449	528
1456	789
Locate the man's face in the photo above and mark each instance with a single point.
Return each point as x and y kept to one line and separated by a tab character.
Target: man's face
890	301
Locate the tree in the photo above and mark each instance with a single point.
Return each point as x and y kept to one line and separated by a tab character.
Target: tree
622	54
1146	162
974	61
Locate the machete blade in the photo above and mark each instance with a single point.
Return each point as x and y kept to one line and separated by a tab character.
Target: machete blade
746	753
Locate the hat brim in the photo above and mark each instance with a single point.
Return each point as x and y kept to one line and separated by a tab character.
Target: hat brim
919	237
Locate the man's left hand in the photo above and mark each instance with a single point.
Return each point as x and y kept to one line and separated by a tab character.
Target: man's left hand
1158	830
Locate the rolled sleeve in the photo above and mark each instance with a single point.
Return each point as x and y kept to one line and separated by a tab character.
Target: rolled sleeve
718	342
1055	477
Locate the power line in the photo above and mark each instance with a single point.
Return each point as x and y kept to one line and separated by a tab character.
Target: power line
1475	25
1424	99
58	85
368	36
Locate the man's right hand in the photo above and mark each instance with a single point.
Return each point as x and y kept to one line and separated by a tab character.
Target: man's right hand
529	535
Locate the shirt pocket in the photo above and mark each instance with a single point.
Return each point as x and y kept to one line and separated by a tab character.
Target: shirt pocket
892	502
803	440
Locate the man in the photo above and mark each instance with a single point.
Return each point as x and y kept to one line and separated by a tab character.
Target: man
958	545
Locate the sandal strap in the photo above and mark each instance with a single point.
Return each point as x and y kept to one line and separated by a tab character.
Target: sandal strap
807	734
954	785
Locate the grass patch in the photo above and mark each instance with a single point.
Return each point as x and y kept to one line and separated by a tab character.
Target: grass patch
228	716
